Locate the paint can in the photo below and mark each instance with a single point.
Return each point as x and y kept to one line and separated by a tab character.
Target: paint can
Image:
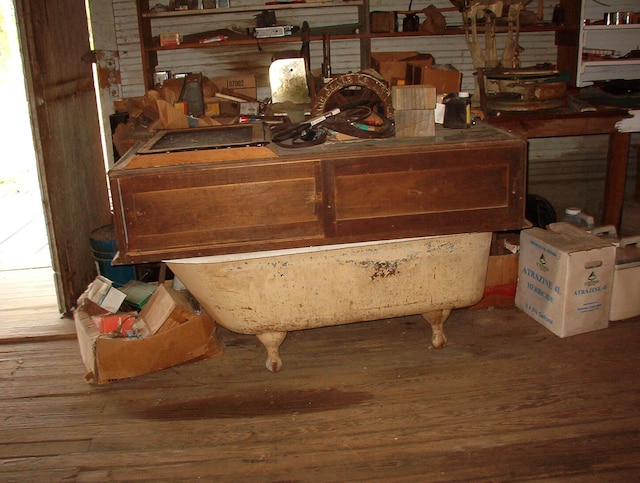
457	110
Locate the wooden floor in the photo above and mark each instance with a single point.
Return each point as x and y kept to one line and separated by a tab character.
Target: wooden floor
506	400
28	302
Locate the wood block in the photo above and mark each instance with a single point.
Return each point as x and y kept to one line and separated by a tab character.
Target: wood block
413	97
383	22
415	123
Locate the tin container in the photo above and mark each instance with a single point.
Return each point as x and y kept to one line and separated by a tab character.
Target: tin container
558	15
457	110
618	18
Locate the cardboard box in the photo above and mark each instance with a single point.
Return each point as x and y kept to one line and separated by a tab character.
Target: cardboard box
138	293
109	359
565	277
444	81
121	322
166	309
103	293
245	85
625	302
392	66
170	39
502	281
502	273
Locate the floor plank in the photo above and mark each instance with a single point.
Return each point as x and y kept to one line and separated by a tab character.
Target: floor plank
506	400
29	307
28	302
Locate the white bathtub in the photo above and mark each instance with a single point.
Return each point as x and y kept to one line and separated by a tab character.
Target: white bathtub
271	293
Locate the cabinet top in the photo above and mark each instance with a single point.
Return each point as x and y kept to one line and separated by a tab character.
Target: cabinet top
445	139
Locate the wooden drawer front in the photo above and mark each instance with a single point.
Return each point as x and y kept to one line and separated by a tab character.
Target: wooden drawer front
427	193
180	213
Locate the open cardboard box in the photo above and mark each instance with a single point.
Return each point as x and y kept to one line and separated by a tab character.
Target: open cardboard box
502	273
109	359
445	81
392	66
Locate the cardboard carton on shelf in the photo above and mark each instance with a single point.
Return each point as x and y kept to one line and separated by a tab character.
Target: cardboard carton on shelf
392	66
243	85
444	80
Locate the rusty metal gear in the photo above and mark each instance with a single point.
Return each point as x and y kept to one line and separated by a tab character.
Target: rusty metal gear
363	89
354	87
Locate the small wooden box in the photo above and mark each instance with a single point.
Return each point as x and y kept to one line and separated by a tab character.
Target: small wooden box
383	22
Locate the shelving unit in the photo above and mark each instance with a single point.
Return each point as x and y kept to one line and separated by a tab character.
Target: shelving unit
580	50
150	49
619	39
146	18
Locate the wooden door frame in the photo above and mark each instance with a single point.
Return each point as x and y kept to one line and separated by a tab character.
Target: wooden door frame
67	139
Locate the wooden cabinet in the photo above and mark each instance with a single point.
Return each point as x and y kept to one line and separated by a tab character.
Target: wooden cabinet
248	199
594	51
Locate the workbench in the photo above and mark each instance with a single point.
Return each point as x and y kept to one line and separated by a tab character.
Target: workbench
242	199
554	124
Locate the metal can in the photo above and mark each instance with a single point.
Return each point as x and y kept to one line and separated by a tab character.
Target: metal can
558	15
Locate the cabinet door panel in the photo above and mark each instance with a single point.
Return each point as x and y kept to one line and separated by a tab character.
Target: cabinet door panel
459	191
191	212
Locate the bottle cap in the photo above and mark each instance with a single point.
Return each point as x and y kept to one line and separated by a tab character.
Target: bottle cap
463	94
573	211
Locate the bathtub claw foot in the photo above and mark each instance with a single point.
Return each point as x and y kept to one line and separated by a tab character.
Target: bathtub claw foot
271	342
436	319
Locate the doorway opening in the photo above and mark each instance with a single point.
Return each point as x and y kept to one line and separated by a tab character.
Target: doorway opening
27	287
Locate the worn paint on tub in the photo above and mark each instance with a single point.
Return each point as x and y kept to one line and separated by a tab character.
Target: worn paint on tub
273	292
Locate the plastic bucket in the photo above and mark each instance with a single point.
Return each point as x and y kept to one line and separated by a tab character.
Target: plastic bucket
104	247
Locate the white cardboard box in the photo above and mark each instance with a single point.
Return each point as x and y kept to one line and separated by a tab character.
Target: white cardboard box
625	300
565	276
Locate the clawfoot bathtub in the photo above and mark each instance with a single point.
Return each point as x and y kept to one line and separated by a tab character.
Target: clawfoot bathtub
271	293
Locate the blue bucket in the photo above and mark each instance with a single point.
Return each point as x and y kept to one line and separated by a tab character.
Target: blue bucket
105	247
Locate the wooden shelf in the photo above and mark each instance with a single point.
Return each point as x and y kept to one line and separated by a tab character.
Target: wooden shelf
616	62
596	36
223	11
635	26
151	47
457	30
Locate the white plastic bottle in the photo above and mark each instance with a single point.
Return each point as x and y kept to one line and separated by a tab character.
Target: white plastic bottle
576	217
